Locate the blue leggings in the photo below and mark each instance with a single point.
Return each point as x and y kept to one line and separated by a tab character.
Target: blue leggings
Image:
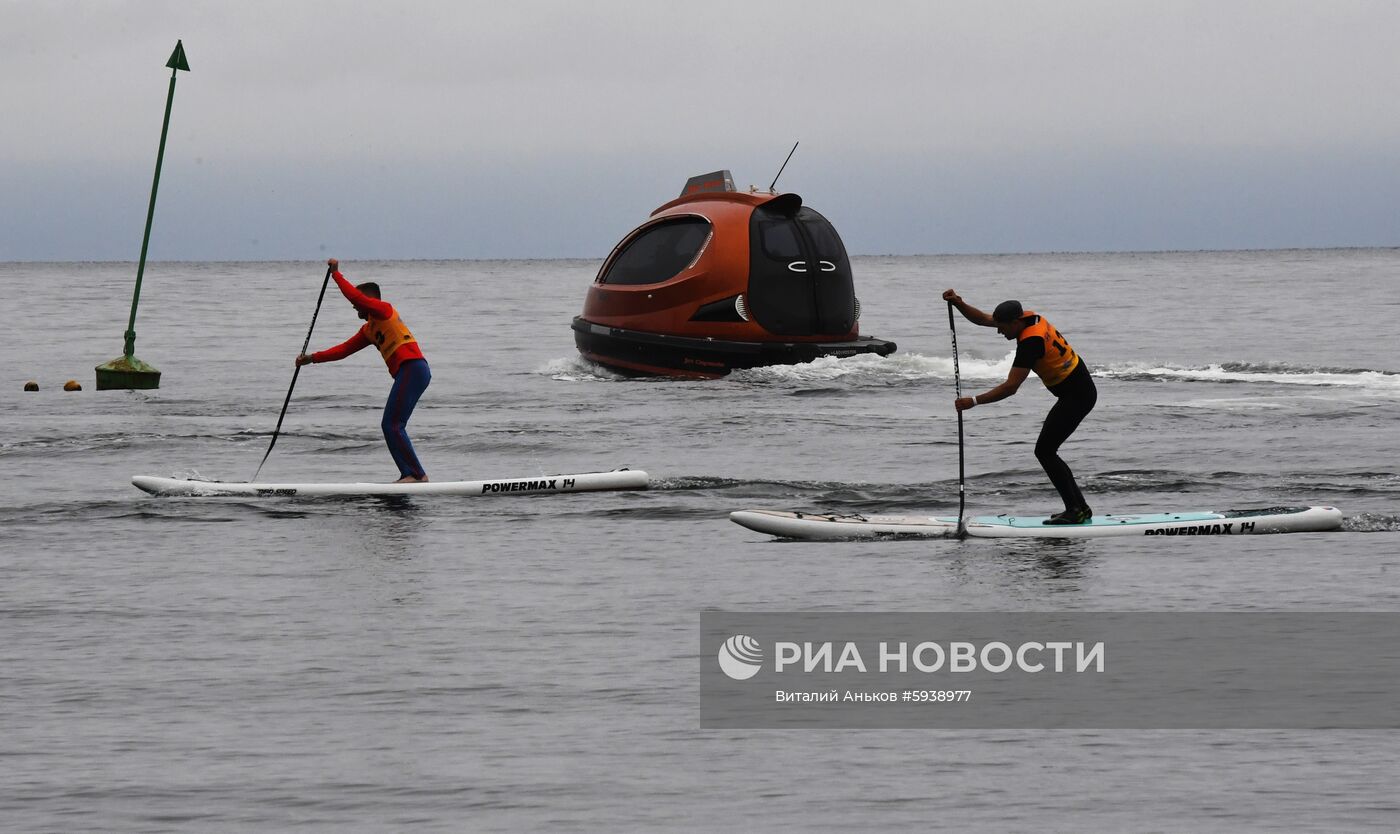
409	384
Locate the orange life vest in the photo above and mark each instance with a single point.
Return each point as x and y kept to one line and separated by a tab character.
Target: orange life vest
388	334
1059	360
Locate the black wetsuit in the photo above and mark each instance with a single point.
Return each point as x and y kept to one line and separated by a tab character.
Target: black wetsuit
1075	397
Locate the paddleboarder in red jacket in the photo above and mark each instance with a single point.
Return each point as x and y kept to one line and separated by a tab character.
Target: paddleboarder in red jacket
384	329
1041	348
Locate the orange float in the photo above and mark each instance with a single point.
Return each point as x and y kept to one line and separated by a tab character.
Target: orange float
719	279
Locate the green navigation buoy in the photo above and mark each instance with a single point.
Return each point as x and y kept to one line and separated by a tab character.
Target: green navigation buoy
126	371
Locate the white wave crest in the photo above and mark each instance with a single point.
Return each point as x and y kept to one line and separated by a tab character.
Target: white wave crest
871	368
576	369
864	368
1229	372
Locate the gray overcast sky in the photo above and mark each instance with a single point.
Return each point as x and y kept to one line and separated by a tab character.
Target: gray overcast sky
425	129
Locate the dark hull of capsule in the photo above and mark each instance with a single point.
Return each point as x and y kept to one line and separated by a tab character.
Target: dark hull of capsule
657	354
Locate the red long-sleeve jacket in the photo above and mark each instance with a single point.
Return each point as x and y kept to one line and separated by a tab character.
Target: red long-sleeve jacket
378	311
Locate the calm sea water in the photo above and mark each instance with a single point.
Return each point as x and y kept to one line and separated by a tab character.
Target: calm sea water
527	663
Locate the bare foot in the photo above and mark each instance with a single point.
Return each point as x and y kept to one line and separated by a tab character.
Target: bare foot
409	479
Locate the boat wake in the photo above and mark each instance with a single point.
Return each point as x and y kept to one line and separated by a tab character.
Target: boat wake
1387	382
577	369
873	371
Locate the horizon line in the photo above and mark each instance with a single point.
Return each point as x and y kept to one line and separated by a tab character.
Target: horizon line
1025	253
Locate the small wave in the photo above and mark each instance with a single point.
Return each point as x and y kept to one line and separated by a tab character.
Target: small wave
865	369
134	507
824	495
1133	480
695	482
1291	488
104	442
1285	368
1372	523
577	369
1252	372
900	368
871	369
86	442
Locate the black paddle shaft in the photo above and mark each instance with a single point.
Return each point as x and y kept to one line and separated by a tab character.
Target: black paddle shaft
290	388
957	387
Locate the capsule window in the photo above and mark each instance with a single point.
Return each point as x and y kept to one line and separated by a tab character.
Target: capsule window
658	252
779	240
824	237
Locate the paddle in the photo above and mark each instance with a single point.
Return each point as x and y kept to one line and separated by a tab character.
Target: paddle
304	346
957	386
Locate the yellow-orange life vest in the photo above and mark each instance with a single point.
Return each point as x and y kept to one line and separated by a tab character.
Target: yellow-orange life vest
388	334
1059	360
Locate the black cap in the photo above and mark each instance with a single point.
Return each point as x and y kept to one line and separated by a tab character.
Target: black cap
1007	311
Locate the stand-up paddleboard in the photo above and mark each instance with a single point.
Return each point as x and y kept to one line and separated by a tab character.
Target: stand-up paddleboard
536	485
1229	523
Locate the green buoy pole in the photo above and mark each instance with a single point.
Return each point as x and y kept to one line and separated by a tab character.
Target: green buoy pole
128	372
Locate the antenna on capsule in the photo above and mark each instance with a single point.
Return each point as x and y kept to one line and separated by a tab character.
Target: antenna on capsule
774	183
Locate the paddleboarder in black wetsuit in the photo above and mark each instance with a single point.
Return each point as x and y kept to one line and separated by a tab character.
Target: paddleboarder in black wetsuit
1041	348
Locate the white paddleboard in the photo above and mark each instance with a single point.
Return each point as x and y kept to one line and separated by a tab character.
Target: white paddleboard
1229	523
535	485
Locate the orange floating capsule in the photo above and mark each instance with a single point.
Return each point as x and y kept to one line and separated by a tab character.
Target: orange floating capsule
719	279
